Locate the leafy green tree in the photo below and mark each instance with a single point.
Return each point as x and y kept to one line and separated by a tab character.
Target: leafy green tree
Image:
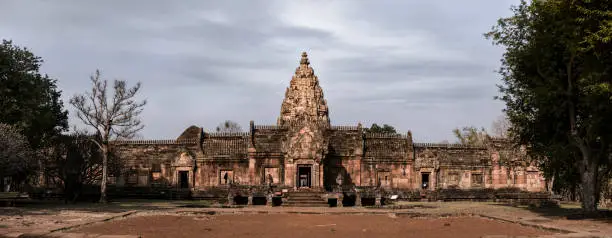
375	128
28	99
557	86
228	126
470	135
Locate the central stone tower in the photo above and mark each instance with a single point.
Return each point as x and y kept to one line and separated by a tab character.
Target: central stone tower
304	97
305	115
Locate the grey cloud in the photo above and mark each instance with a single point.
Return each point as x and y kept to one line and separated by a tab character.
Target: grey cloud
202	62
408	69
447	94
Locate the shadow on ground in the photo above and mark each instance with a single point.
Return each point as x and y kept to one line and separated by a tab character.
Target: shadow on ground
564	211
115	206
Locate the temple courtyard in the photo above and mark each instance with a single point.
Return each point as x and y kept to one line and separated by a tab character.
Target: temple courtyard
140	218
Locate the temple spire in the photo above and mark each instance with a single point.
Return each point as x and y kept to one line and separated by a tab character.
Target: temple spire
304	97
304	60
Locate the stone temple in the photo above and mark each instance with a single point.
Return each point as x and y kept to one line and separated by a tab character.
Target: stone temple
304	151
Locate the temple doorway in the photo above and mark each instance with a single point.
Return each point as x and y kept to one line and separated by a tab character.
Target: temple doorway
304	176
184	179
425	181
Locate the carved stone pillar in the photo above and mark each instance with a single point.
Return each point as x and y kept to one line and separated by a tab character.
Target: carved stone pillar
378	201
230	199
357	200
315	175
269	199
339	200
321	179
290	174
250	202
252	173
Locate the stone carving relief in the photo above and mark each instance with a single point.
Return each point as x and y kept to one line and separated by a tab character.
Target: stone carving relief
184	160
427	159
304	112
306	144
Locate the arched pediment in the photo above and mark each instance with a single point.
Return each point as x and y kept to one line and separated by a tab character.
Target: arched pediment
183	160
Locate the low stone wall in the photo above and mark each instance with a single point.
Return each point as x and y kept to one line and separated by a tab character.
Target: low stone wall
222	194
500	195
489	194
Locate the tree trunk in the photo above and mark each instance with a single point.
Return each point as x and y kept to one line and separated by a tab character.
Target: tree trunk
104	173
551	185
590	191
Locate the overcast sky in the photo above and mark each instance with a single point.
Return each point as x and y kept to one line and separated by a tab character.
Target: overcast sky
418	65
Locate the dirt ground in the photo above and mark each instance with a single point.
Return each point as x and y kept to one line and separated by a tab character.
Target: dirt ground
188	218
308	225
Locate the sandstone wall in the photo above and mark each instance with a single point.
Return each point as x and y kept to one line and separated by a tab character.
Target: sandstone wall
387	160
146	162
362	159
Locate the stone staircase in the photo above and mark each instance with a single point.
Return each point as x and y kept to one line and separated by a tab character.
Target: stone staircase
305	199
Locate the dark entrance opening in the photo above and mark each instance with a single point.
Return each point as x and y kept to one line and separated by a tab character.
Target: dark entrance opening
368	201
277	201
424	180
184	179
349	200
241	200
259	200
303	176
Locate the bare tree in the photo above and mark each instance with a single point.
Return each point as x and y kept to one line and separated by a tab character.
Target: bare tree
229	126
16	156
110	116
501	126
470	135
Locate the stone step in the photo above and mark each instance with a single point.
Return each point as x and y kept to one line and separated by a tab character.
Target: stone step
307	205
305	198
304	194
307	201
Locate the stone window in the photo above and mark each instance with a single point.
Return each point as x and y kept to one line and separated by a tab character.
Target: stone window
132	177
521	177
143	177
226	176
453	178
477	180
271	175
532	178
384	178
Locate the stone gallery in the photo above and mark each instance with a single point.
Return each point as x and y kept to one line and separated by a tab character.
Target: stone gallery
303	151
